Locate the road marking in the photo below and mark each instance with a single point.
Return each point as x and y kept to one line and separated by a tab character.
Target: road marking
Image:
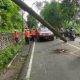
30	63
74	46
73	52
71	45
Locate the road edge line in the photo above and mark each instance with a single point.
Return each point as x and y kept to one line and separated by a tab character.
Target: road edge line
73	46
72	53
30	63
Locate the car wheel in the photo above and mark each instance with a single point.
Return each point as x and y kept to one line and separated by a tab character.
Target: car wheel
52	38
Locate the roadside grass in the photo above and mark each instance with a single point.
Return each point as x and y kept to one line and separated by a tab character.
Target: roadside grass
7	54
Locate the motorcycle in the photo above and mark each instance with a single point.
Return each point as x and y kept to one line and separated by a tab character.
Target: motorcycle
70	36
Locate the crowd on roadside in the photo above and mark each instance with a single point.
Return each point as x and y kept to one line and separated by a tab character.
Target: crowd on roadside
29	35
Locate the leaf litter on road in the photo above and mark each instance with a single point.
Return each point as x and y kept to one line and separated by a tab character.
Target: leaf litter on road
61	50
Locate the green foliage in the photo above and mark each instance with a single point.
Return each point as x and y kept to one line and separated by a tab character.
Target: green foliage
78	26
8	54
52	14
10	18
59	14
78	30
31	22
69	9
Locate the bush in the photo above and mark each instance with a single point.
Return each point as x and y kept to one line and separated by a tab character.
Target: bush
7	55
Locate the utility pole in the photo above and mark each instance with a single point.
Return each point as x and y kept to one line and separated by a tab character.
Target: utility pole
25	7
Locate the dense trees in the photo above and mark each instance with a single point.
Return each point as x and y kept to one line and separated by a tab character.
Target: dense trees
69	10
10	18
60	14
31	22
36	16
51	13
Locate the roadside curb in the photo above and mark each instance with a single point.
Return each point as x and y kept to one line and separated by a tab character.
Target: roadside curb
22	73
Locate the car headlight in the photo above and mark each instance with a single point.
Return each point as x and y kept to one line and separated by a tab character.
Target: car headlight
51	33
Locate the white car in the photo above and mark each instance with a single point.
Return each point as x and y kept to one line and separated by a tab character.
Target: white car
45	34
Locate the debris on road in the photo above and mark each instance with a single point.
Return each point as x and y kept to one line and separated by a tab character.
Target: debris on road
61	50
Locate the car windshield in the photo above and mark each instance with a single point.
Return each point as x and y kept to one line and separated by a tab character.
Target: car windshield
45	30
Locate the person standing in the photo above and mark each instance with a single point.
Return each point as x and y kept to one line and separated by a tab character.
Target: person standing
16	36
27	35
33	34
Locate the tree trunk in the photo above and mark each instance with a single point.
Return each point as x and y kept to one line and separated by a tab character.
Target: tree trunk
25	7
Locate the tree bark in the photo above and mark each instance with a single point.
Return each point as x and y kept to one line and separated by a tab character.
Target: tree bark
25	7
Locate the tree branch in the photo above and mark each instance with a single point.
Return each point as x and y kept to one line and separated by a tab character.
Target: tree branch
36	16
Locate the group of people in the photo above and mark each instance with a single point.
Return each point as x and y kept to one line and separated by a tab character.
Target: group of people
29	34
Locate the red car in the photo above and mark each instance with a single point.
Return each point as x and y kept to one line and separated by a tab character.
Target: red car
45	34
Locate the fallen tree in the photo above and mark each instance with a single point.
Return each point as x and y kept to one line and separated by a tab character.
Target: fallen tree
25	7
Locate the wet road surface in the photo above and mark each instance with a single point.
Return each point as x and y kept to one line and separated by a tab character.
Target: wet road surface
49	65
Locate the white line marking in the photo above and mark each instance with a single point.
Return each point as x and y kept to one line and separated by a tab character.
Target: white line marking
30	63
74	46
73	52
71	45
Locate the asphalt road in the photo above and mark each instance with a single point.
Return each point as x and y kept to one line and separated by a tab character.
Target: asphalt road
49	65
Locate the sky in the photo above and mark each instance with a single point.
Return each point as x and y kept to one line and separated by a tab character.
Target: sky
30	4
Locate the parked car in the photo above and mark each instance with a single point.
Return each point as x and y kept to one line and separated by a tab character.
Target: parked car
44	34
